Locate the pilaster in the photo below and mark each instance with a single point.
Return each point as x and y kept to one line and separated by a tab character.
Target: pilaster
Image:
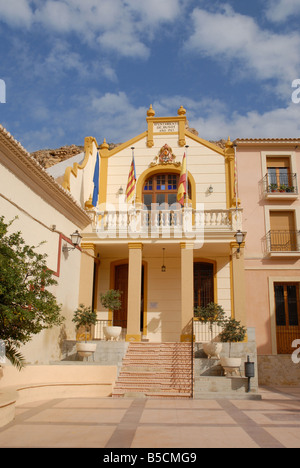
134	292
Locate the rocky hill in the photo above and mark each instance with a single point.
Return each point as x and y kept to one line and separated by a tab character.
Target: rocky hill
49	157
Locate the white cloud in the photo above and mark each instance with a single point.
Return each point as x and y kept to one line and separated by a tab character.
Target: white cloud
122	26
113	116
237	40
278	123
280	10
16	12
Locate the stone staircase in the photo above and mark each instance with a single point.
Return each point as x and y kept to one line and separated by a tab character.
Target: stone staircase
156	370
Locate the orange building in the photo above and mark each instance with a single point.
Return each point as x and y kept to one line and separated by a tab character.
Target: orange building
268	185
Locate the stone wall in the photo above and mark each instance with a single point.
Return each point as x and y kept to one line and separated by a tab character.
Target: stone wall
278	371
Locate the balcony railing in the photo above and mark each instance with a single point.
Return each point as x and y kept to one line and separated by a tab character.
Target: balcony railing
163	222
202	332
283	241
101	324
286	184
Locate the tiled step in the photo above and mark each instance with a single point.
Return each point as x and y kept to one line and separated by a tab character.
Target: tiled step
156	370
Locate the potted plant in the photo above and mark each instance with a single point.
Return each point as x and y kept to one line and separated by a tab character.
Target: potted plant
212	314
85	317
233	332
282	188
273	187
111	300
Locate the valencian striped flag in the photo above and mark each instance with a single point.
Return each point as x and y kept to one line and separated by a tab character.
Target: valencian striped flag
182	182
96	182
130	189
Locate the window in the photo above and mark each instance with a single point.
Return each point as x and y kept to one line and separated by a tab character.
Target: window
161	188
280	178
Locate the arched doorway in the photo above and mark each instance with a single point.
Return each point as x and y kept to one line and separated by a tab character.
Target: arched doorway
204	283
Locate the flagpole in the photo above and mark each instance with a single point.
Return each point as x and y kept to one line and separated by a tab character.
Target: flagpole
187	177
134	200
235	178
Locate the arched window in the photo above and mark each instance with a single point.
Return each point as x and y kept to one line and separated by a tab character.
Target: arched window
162	188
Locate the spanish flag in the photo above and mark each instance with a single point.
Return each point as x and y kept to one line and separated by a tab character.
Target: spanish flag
182	182
130	189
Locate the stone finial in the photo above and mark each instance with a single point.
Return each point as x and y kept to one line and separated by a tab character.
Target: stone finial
229	143
150	111
181	111
104	145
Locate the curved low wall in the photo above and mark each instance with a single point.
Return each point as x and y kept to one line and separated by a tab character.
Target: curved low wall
53	381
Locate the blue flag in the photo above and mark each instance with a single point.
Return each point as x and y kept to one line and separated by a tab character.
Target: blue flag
96	182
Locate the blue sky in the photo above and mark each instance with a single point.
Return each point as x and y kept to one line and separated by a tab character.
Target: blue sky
77	68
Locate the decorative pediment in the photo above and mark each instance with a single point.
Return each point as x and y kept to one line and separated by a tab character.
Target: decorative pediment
165	156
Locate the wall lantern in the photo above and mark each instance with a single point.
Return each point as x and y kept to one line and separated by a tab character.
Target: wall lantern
163	268
121	191
76	239
239	237
210	189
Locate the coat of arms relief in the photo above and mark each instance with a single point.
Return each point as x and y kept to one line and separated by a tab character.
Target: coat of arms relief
165	156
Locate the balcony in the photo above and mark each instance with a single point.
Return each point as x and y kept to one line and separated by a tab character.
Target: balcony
283	243
159	223
285	187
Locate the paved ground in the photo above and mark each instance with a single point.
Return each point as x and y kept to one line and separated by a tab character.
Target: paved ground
273	422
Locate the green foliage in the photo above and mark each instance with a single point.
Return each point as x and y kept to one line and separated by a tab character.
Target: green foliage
111	299
84	317
212	313
26	305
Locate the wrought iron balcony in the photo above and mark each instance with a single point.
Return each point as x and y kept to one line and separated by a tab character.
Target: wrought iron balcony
283	241
285	185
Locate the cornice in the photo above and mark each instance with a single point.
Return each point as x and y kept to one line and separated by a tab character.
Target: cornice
26	168
267	141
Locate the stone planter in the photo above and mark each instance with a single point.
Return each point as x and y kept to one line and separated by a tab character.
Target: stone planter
85	349
212	349
112	333
231	365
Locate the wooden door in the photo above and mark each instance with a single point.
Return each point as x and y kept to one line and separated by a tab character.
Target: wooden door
121	283
203	284
283	234
287	316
